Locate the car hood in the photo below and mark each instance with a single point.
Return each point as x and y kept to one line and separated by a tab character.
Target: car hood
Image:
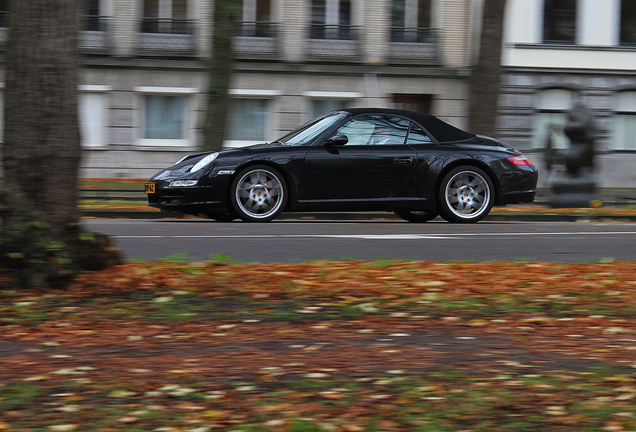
180	170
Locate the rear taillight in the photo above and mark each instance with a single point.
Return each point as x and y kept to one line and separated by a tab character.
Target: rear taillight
520	160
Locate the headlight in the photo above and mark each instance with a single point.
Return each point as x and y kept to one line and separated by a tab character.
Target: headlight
203	162
182	183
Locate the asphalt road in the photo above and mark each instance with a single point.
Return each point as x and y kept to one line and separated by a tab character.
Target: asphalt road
304	240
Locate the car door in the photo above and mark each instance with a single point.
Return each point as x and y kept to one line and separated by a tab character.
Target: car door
374	164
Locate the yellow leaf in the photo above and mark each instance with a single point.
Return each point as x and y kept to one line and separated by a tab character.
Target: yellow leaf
213	413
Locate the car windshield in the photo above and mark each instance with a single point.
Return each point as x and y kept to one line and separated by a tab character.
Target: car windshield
305	133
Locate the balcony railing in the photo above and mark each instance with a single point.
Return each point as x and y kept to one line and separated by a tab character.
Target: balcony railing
410	43
412	34
165	25
95	36
253	37
333	40
95	23
159	35
264	29
332	31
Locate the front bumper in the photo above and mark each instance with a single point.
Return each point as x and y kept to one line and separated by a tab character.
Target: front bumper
206	198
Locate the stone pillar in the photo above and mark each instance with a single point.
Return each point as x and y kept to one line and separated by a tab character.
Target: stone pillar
202	13
125	26
454	31
375	28
294	29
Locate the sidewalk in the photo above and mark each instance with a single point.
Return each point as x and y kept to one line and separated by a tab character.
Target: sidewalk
616	205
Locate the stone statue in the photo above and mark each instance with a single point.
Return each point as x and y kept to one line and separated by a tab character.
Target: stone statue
581	131
576	186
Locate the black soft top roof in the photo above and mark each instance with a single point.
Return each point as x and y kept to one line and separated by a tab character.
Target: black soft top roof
442	131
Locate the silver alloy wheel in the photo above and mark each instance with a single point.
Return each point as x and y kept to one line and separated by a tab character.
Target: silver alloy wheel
467	195
259	194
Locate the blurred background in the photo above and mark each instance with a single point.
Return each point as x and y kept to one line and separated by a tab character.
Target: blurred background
144	73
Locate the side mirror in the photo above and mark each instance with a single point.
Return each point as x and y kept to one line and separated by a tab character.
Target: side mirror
337	140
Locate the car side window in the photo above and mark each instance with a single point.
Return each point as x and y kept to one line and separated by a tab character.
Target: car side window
418	136
375	129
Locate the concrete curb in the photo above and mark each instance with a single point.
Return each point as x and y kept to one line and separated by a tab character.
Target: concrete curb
493	216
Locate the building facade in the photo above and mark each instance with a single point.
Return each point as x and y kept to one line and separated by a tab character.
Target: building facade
559	52
144	76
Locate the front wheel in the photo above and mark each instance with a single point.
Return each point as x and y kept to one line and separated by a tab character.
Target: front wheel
258	194
466	195
415	216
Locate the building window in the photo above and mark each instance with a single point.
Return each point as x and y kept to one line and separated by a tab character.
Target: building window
93	115
166	116
625	121
552	115
559	21
321	106
248	119
4	8
331	19
256	19
92	16
413	102
628	22
411	21
165	16
320	102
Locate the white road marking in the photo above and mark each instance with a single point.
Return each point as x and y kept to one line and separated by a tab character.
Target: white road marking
290	236
378	236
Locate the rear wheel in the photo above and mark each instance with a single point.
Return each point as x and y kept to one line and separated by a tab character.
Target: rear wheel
258	194
466	195
415	216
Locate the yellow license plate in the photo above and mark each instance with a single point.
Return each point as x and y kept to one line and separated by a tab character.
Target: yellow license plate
150	188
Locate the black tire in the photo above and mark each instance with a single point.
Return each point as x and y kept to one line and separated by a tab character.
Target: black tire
466	195
415	216
258	194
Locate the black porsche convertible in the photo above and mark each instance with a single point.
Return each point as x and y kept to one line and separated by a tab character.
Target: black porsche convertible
363	159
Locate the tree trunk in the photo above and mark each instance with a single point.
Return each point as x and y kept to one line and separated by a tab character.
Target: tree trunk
41	241
486	80
220	72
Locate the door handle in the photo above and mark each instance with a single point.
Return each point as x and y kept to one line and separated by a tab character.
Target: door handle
403	160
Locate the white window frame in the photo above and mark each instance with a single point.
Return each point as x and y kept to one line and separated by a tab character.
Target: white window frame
310	96
271	96
625	115
411	14
105	8
189	113
332	13
105	115
552	105
165	9
250	11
